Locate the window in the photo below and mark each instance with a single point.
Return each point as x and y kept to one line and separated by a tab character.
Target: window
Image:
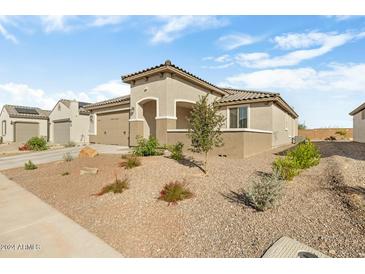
3	128
363	114
238	117
59	107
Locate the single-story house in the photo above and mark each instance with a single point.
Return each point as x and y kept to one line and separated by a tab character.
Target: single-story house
162	98
358	115
69	122
20	123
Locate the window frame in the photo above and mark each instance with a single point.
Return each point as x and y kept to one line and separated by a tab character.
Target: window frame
3	127
363	114
248	106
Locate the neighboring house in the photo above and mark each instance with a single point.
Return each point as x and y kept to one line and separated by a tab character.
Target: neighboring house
69	122
109	121
162	98
358	115
20	123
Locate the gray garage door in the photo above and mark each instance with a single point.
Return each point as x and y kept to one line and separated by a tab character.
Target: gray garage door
61	132
113	128
24	131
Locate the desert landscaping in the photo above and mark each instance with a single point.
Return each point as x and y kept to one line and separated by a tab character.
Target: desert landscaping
322	207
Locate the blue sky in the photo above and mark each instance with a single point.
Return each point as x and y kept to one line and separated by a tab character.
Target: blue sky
317	63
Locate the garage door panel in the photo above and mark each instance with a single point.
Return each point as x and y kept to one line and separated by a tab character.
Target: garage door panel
113	128
61	132
24	131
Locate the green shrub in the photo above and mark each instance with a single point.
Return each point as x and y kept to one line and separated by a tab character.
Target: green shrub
305	155
65	173
30	165
265	192
70	144
37	143
67	157
131	161
286	168
174	192
147	147
176	151
117	187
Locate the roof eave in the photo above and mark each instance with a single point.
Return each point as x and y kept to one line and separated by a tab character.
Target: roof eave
129	79
95	106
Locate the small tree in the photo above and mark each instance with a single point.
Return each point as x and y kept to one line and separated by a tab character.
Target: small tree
302	126
204	127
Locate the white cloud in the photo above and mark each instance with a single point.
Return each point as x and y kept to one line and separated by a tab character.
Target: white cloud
5	20
223	66
66	23
338	77
233	41
7	35
52	23
22	94
100	21
327	42
302	40
176	26
112	88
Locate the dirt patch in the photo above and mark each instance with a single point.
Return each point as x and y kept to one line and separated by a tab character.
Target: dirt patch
216	222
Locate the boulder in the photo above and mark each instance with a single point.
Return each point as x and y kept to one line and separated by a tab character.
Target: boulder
89	170
88	152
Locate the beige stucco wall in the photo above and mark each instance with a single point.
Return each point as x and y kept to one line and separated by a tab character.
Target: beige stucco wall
238	144
136	129
166	90
79	131
359	128
259	115
182	115
284	127
9	136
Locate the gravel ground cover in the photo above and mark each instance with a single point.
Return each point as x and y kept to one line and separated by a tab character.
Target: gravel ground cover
315	208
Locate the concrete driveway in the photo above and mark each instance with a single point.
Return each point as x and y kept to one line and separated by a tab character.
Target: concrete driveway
55	155
31	228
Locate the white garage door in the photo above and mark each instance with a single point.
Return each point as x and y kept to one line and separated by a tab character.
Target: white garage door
24	131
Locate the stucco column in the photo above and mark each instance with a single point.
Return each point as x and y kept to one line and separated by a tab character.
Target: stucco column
136	129
162	125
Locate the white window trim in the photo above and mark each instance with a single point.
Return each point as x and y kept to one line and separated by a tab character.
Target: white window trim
182	101
248	115
3	130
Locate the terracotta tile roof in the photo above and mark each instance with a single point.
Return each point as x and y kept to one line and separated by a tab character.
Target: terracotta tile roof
243	94
109	101
358	109
168	64
26	112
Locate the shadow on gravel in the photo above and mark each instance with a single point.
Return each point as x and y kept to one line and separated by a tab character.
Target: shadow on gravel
238	198
190	162
359	190
352	150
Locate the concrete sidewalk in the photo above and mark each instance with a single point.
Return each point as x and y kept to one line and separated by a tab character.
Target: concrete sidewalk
43	157
31	228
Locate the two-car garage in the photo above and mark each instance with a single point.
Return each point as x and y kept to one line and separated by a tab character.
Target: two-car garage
23	131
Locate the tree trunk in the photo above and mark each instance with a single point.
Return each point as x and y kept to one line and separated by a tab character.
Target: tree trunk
206	163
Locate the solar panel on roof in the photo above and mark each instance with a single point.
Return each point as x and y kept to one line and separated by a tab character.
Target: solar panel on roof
27	111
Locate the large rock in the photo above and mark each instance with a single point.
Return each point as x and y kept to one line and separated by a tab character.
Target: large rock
88	152
89	170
